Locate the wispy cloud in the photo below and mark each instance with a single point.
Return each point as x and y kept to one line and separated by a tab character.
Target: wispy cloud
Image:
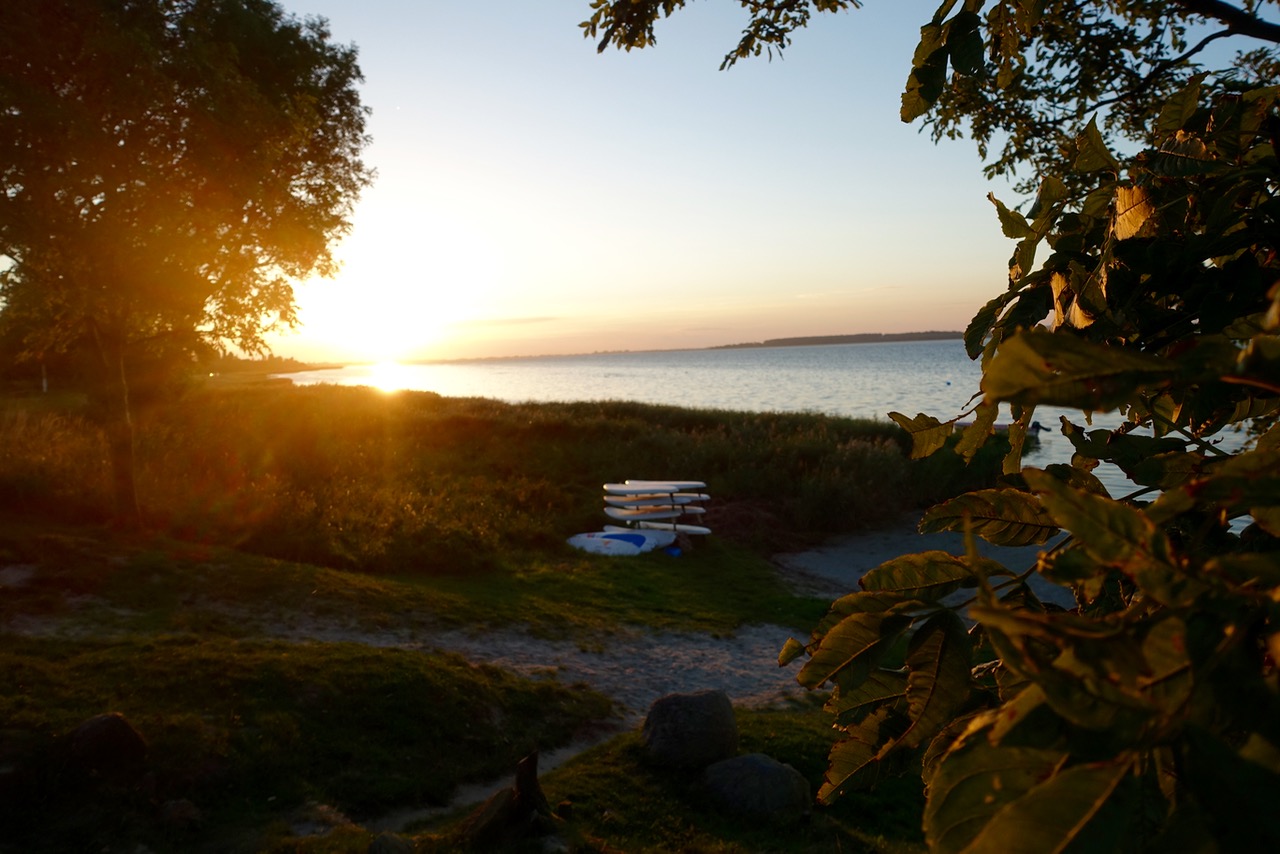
506	321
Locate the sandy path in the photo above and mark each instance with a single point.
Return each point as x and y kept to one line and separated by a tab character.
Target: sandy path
636	667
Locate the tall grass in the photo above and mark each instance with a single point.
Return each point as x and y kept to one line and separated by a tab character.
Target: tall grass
414	482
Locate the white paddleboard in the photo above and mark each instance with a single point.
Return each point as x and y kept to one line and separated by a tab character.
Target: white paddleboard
622	541
655	498
640	514
661	485
659	538
645	489
674	526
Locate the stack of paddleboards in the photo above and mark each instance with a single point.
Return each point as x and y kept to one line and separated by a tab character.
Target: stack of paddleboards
656	505
651	513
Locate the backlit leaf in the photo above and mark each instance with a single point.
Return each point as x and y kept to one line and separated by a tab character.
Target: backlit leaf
1012	223
1120	536
1133	209
853	760
928	576
1077	478
972	782
881	687
938	680
976	434
1185	155
855	642
999	516
1179	109
1092	154
1165	471
928	434
1054	814
1037	367
791	650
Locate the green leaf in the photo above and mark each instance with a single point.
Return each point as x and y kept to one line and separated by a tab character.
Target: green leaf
1092	154
1037	367
1016	711
1004	517
858	603
1167	680
1013	224
928	576
1054	814
1179	109
928	434
1133	209
881	687
938	678
853	760
1077	478
1183	157
972	782
852	647
1119	536
976	333
1165	471
977	433
1234	789
791	650
1017	434
964	42
924	85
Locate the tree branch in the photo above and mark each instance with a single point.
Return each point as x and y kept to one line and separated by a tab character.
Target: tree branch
1238	20
1161	68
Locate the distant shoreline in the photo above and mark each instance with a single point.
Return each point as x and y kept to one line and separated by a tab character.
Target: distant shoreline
859	338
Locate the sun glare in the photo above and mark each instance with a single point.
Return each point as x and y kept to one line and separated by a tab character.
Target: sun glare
389	376
402	289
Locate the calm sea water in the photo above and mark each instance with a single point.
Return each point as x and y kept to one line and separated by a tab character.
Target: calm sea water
861	380
857	380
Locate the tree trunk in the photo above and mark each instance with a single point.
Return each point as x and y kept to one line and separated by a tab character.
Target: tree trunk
117	425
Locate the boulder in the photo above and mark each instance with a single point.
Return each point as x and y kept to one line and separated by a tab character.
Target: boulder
105	747
690	730
759	787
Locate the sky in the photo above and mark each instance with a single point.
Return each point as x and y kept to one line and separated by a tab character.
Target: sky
535	197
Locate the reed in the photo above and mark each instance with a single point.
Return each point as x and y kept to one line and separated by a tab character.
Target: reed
413	482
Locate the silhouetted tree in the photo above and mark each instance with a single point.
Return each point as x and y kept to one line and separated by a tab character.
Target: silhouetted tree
168	167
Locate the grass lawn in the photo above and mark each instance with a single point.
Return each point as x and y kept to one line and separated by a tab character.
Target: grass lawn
278	509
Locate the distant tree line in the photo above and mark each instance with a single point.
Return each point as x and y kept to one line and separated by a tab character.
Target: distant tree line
860	338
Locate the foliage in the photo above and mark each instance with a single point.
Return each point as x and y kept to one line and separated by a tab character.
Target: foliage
1147	717
1148	712
168	167
1021	76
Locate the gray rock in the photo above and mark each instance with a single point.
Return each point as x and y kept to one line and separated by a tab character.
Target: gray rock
690	730
105	746
759	787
